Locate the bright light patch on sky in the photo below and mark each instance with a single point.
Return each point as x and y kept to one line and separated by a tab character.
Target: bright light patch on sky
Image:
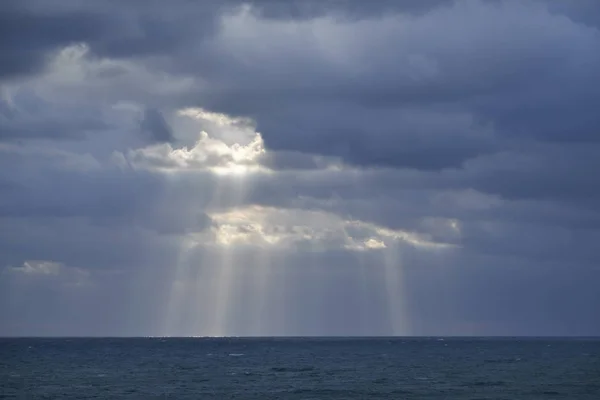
266	226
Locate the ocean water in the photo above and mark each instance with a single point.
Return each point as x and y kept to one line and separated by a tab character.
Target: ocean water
300	368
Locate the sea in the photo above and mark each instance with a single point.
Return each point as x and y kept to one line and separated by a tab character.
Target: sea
300	368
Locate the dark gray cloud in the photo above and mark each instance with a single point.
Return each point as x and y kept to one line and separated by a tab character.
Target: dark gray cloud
27	36
347	9
28	116
154	124
422	106
33	29
422	167
401	94
585	11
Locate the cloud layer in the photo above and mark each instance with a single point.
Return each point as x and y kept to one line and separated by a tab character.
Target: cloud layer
301	168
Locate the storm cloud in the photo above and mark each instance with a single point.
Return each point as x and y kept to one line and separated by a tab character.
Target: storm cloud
299	167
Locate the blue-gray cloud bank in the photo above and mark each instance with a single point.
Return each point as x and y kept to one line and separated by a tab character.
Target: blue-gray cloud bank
299	167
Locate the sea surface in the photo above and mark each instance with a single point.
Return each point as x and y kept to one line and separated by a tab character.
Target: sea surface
300	368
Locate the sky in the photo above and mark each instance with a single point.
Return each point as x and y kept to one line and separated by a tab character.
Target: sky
287	167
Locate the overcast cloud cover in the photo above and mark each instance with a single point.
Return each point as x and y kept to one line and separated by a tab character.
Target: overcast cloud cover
281	167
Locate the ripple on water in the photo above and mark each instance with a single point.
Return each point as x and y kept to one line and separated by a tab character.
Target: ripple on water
298	369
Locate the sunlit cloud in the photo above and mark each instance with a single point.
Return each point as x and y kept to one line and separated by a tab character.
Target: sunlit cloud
207	154
219	119
288	228
232	147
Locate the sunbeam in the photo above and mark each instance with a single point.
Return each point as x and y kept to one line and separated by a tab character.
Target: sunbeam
393	287
363	293
203	274
180	291
261	290
222	290
204	295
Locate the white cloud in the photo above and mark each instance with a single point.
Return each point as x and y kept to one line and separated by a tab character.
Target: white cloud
58	272
311	230
208	153
33	267
230	147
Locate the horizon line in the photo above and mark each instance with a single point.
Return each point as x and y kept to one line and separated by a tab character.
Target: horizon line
304	337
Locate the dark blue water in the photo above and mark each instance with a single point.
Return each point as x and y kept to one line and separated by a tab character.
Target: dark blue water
300	368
